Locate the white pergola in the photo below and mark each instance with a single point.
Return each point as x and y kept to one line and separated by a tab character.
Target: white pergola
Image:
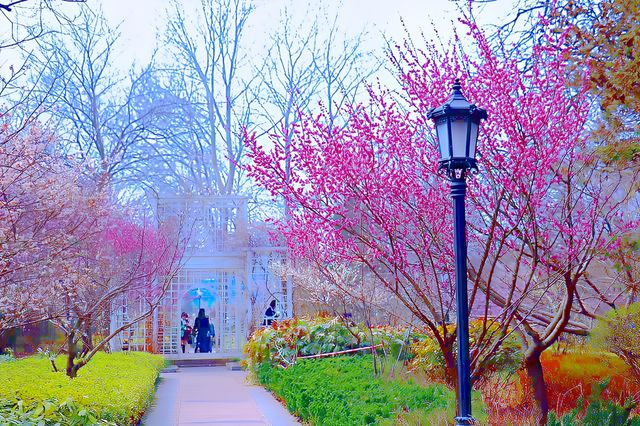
227	270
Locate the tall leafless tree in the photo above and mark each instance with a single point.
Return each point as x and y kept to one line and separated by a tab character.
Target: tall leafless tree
309	66
100	115
211	77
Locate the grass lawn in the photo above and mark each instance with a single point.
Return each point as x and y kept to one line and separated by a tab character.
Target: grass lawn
344	391
118	387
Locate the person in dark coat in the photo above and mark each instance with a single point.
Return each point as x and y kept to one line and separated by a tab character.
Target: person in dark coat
201	328
270	314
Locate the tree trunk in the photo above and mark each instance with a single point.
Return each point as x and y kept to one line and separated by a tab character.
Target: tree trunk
72	371
538	386
87	340
451	372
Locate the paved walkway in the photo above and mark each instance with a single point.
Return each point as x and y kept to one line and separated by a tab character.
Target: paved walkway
213	396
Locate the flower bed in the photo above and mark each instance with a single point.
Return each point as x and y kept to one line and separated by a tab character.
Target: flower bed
116	387
503	383
283	341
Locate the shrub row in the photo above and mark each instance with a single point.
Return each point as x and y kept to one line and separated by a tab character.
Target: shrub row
344	391
284	341
113	387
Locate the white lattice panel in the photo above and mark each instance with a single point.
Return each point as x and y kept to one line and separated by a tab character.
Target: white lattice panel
227	272
222	293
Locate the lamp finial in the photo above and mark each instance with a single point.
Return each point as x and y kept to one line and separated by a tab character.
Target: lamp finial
457	88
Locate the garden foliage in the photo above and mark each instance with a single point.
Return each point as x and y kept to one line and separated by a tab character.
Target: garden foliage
344	391
48	412
619	332
572	375
284	341
598	412
507	358
114	387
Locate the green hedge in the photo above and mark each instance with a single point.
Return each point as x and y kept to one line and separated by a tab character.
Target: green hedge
344	391
117	387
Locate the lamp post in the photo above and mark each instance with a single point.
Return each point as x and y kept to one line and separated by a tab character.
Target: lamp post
457	122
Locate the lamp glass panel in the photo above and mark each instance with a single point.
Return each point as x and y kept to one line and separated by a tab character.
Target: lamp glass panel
473	142
459	136
443	139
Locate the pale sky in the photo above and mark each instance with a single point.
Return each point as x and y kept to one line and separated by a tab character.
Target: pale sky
142	20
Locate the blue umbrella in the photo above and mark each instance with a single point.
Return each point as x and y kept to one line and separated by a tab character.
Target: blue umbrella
202	293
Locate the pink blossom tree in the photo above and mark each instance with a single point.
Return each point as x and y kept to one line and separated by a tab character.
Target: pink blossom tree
542	211
40	224
68	252
127	264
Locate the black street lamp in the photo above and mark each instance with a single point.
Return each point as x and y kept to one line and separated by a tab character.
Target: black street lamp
457	122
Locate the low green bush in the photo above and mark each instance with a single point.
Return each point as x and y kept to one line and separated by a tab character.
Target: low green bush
617	332
283	341
116	387
344	391
48	412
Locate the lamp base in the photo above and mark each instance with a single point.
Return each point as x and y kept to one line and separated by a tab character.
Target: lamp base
464	421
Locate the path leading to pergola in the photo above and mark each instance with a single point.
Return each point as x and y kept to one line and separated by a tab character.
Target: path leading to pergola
213	396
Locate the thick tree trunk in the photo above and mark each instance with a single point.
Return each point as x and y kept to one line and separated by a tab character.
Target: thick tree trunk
538	386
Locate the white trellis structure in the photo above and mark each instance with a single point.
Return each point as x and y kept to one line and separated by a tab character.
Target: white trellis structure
226	271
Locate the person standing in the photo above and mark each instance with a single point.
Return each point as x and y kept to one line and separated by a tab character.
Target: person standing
185	330
201	328
270	314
